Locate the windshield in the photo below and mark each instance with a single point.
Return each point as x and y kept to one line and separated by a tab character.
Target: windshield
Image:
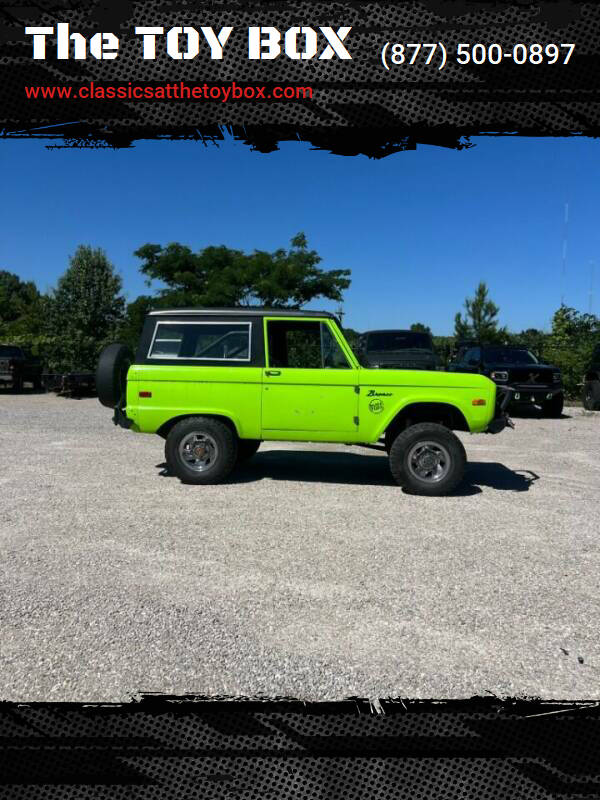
398	340
7	351
503	355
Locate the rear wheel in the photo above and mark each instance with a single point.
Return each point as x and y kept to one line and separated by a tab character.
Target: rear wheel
18	385
591	395
201	450
427	459
554	406
246	449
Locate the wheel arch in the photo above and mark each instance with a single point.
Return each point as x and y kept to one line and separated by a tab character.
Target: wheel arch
444	414
167	426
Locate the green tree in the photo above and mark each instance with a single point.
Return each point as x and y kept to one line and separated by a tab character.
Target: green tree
419	327
20	306
130	328
85	311
531	339
480	321
221	276
570	345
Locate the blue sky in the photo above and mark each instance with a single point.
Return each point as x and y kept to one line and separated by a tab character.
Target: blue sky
418	229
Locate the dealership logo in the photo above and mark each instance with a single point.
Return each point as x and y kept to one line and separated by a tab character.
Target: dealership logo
376	406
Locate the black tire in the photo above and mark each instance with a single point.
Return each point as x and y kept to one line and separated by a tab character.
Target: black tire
554	407
388	441
246	449
410	466
591	395
37	384
217	450
111	375
18	385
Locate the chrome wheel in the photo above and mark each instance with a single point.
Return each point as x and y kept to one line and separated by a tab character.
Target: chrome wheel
428	461
198	451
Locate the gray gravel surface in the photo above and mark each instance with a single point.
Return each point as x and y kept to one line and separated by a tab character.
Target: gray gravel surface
309	575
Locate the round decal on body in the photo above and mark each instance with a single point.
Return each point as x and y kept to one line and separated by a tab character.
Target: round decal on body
376	406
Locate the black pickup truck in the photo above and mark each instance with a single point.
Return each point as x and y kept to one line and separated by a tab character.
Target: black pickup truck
514	368
398	349
18	366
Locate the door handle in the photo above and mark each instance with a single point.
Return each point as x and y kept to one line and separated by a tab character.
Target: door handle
271	372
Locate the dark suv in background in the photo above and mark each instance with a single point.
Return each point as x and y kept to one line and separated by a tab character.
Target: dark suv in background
397	349
18	366
591	382
530	381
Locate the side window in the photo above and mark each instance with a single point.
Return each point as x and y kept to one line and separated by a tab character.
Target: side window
167	341
333	357
201	341
303	345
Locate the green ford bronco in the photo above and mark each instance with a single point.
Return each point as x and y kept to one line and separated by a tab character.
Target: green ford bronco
215	383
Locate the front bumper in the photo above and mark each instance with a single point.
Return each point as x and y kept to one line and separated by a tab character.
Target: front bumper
501	419
524	393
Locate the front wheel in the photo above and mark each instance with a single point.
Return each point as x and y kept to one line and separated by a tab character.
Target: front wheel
554	406
201	450
427	459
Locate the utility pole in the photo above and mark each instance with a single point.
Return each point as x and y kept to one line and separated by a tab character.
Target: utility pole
340	314
564	255
591	296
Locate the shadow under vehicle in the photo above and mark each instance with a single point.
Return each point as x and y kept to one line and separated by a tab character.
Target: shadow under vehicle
398	349
591	382
517	370
215	383
18	366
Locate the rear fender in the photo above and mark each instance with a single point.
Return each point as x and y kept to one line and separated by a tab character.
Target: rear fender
164	429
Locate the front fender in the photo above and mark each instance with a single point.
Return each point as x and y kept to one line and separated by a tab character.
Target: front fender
375	422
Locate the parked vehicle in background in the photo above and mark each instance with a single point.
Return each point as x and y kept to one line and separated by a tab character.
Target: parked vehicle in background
591	382
530	381
18	366
398	349
71	384
214	383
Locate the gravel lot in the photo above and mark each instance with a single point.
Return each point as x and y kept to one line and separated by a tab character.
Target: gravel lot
309	575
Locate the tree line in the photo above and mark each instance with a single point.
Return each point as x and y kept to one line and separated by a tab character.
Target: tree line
69	325
568	344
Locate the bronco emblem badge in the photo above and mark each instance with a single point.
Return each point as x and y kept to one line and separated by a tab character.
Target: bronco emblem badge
376	406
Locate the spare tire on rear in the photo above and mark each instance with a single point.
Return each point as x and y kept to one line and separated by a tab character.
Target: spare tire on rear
111	375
